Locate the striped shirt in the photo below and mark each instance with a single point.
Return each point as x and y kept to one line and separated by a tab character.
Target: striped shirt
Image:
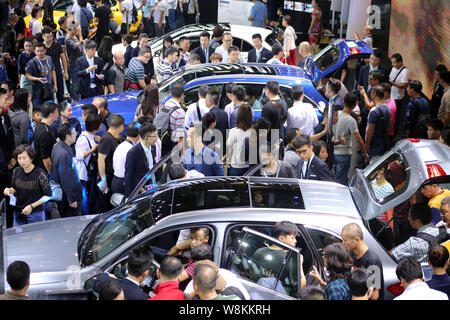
176	126
163	71
135	71
382	191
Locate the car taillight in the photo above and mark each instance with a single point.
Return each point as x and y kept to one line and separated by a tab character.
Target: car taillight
414	140
354	51
396	289
435	170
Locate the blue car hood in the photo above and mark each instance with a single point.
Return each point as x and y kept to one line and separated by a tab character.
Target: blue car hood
47	247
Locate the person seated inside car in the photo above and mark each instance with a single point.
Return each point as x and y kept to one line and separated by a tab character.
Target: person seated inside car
274	167
284	231
188	240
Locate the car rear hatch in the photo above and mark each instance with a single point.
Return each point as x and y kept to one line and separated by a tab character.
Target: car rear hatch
333	57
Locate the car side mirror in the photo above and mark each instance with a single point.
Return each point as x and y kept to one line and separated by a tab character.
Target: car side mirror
116	199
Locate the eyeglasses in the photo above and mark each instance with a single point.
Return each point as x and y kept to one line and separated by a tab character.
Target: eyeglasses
197	240
301	152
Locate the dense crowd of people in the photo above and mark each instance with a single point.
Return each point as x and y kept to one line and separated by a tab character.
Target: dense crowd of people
53	166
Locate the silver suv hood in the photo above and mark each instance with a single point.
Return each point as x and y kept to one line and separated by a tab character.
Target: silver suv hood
49	248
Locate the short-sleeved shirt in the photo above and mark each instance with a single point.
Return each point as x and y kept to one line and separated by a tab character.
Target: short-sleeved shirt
397	93
163	71
23	60
135	71
107	146
54	52
289	33
161	6
30	187
176	125
344	128
127	16
43	143
258	12
38	68
102	13
376	116
372	262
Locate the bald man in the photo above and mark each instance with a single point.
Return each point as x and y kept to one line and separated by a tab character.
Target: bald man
102	107
305	52
115	77
353	240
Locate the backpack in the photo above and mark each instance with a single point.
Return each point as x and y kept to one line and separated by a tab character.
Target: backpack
162	122
420	130
92	165
442	237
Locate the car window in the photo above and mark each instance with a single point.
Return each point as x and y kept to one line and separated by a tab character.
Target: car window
161	243
387	177
321	238
327	58
117	228
256	257
286	94
276	195
191	95
157	176
246	47
165	88
255	95
216	193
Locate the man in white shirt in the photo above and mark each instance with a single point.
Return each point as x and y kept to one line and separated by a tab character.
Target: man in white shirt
126	6
227	42
301	115
410	274
399	79
120	156
196	110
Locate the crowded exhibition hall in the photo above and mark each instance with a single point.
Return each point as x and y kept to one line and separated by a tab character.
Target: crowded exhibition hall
224	150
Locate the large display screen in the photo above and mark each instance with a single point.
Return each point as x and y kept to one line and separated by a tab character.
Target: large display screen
419	31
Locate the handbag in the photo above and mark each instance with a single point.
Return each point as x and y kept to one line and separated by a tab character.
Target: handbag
57	191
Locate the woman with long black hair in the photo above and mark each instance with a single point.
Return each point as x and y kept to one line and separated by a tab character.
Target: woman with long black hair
150	102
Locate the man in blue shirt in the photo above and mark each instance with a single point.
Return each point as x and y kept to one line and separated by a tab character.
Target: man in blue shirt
258	15
199	157
417	105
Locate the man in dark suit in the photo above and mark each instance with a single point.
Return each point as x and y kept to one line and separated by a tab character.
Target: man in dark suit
90	72
374	64
140	158
212	100
138	265
311	167
203	49
259	54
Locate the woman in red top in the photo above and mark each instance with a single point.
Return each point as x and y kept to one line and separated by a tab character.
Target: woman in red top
316	26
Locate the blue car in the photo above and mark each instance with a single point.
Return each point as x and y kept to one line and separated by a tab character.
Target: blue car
253	76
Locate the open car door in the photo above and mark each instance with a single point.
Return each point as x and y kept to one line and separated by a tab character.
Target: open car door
333	57
268	268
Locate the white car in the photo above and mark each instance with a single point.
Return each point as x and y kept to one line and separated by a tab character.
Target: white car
242	38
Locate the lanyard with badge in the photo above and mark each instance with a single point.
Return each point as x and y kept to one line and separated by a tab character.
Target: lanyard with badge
44	70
